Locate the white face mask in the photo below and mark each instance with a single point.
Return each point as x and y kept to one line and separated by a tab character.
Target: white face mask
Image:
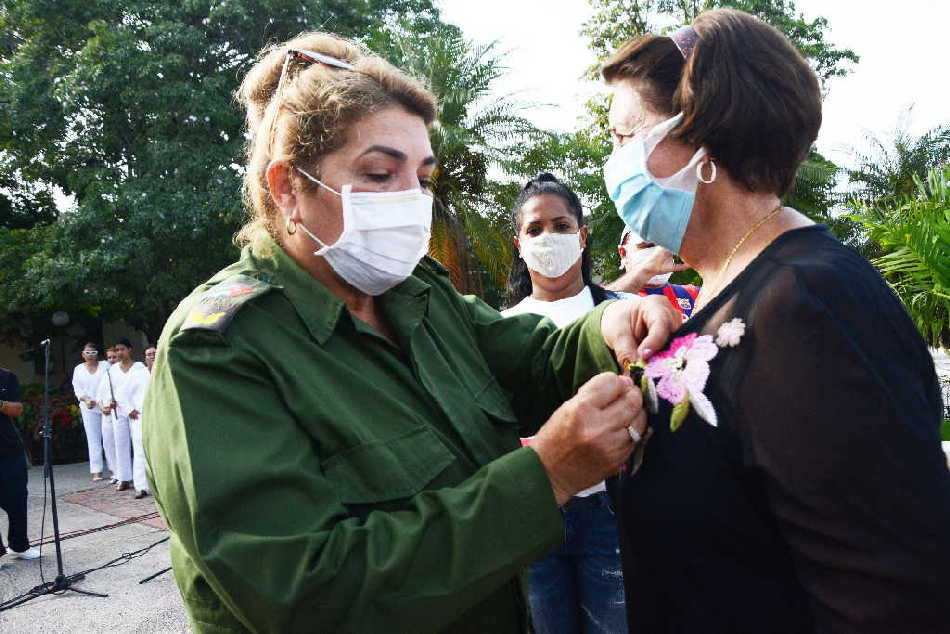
385	234
635	256
551	254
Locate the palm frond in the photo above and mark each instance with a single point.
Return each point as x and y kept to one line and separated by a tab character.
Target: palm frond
914	231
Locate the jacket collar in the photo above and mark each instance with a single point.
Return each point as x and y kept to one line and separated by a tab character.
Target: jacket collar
317	307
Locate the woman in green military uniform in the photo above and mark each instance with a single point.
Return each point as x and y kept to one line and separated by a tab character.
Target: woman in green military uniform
331	429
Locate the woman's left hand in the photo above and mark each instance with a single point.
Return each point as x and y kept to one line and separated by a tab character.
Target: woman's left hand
636	328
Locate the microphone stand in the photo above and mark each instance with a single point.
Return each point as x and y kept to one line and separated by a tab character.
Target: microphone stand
62	582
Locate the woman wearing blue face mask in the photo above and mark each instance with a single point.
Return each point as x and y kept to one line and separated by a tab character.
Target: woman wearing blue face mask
578	587
331	429
794	480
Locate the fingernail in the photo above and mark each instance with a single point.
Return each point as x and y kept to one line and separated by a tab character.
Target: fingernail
646	353
626	379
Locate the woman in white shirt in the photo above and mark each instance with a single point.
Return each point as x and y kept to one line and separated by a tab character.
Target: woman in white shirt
579	587
86	377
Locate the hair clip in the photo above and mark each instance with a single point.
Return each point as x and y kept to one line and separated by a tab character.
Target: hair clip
542	177
685	39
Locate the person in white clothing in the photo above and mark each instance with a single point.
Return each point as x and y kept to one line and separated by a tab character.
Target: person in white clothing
116	396
140	386
150	357
579	587
86	377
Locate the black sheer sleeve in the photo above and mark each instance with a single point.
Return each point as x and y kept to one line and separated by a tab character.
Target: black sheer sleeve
832	414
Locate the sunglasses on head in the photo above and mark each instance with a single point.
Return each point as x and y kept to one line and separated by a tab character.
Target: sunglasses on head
310	57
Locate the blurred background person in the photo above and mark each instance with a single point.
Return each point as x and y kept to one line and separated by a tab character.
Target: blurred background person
116	397
86	378
13	473
647	270
150	357
578	587
139	389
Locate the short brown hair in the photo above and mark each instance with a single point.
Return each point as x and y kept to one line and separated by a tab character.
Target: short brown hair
318	106
656	62
749	97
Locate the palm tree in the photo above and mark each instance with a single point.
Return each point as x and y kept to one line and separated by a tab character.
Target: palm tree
892	166
913	229
475	133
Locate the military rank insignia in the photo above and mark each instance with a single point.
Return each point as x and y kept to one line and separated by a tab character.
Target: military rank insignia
217	306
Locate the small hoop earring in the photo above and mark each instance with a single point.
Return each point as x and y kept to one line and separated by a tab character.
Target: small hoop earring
290	223
712	175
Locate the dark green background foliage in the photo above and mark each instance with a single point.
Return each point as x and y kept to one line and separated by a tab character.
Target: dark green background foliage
127	107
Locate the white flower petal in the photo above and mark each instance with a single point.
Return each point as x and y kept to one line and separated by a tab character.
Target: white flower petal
730	333
704	407
703	349
657	368
694	375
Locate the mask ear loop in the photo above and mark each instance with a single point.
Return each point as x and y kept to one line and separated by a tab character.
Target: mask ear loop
712	175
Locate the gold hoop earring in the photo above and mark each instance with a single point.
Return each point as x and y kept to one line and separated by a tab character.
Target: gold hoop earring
712	175
290	223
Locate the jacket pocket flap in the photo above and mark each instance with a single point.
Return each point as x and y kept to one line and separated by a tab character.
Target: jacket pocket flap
491	398
382	470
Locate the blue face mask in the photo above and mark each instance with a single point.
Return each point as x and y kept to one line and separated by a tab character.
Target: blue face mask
656	208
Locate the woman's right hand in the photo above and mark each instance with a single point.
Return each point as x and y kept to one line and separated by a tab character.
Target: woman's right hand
586	439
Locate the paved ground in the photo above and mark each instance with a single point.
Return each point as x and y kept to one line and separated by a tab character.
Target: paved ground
147	608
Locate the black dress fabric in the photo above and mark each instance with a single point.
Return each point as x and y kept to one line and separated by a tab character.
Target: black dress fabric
821	501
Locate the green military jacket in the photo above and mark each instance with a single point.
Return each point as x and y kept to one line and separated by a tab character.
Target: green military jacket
318	477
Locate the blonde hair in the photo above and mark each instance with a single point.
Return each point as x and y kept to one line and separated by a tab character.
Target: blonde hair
313	115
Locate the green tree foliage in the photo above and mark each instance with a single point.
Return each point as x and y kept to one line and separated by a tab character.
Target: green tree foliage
913	230
475	133
893	166
126	107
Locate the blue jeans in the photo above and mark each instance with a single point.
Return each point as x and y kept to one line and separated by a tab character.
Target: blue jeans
579	587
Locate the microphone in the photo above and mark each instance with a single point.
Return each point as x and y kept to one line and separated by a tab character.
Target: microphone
45	342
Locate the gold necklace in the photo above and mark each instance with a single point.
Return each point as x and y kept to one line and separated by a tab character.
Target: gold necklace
735	249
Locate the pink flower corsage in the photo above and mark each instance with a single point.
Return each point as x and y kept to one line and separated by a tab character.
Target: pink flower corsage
680	373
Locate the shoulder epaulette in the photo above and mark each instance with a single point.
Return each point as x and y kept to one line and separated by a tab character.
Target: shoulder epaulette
217	306
435	265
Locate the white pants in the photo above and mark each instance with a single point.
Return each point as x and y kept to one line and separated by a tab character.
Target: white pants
123	449
138	455
108	441
92	423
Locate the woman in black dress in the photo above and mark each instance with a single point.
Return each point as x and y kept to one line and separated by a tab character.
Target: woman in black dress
794	480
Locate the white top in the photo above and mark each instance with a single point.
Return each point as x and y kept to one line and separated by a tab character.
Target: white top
86	384
125	386
561	312
141	386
